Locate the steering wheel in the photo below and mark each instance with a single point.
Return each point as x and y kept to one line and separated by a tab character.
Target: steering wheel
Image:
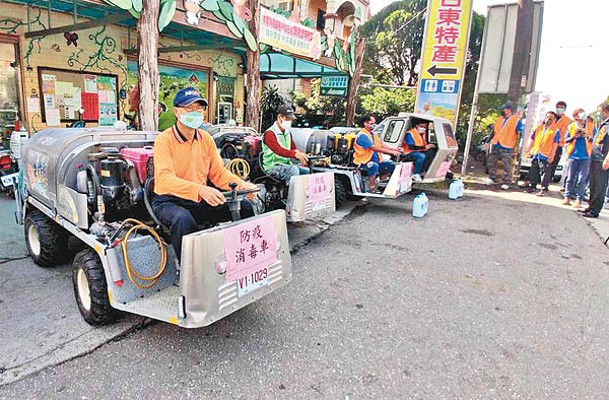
234	198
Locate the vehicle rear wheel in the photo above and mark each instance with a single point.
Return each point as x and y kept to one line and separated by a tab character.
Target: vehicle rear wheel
340	191
46	240
91	289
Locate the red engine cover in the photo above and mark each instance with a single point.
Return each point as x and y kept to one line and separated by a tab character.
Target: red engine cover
139	157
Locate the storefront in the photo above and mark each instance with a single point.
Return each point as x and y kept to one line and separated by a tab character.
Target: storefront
76	56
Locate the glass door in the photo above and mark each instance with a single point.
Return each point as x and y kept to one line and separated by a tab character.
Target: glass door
10	104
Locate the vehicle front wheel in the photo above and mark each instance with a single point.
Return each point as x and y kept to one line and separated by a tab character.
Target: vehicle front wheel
340	191
47	241
91	289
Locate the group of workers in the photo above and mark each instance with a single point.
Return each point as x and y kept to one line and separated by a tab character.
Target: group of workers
186	159
585	144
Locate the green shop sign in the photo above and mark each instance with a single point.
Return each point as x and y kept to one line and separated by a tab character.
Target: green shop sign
334	85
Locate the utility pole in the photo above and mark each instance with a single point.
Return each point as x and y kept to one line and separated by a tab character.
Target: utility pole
520	67
522	51
148	76
252	111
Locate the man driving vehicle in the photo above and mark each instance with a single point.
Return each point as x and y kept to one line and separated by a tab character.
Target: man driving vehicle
185	159
417	149
278	148
368	148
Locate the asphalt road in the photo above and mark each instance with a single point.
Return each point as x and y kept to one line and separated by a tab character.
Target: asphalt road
484	298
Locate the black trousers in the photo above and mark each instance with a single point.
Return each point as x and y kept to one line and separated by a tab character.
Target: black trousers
183	216
540	172
598	186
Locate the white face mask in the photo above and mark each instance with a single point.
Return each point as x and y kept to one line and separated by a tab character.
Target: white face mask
421	130
286	124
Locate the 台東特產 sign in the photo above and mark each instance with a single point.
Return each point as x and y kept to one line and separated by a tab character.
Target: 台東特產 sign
279	32
443	57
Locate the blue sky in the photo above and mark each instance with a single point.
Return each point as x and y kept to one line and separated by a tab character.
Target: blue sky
573	55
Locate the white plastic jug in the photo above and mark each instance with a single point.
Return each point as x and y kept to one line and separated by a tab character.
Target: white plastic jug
461	187
453	190
419	206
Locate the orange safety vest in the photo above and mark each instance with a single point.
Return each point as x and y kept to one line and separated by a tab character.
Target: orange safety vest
506	135
361	155
589	136
419	141
543	142
562	124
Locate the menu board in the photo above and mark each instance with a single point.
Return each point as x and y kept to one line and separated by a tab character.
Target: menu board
65	92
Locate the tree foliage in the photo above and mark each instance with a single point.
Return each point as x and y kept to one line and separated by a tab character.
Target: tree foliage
387	102
269	105
334	108
394	37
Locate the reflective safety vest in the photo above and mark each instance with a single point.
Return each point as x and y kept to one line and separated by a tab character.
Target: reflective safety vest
588	139
361	155
543	142
269	158
562	124
419	141
506	135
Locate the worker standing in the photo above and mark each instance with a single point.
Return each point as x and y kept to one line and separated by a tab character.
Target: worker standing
599	166
578	142
504	142
561	124
542	149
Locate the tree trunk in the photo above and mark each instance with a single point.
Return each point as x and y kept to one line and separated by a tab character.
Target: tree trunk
148	77
252	111
360	49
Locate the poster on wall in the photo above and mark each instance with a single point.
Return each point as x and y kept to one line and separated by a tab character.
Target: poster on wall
68	92
90	83
172	80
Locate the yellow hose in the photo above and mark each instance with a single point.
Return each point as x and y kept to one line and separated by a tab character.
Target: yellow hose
131	272
239	167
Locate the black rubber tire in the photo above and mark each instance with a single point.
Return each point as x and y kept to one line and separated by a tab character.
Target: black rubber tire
52	237
556	179
100	311
340	191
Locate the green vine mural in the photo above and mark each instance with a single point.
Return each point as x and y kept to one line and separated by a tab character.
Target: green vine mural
105	54
166	12
11	26
223	65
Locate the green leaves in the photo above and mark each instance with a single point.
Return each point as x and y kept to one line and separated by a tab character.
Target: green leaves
210	5
168	9
124	4
250	40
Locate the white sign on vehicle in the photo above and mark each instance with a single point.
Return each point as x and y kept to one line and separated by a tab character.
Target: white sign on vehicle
253	281
7	180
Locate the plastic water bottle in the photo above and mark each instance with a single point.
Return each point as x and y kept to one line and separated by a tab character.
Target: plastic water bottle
453	190
461	188
419	206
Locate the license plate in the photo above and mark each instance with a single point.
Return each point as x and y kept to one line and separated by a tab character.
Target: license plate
253	281
8	179
318	206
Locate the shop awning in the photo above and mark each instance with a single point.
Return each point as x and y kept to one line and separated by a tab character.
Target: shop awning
283	66
103	14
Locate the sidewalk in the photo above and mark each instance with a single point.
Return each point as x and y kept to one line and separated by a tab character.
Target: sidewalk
41	322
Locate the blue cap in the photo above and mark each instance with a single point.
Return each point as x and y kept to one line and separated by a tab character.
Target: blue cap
187	96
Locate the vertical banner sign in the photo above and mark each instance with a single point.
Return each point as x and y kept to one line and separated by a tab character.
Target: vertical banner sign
443	58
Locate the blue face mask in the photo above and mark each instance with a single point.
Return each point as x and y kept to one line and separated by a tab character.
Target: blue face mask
192	119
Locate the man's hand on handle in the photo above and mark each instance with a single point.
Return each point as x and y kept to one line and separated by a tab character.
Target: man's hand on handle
249	186
211	196
302	157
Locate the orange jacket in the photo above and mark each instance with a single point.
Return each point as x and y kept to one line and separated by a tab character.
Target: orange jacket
562	124
361	155
506	135
182	166
544	142
419	141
